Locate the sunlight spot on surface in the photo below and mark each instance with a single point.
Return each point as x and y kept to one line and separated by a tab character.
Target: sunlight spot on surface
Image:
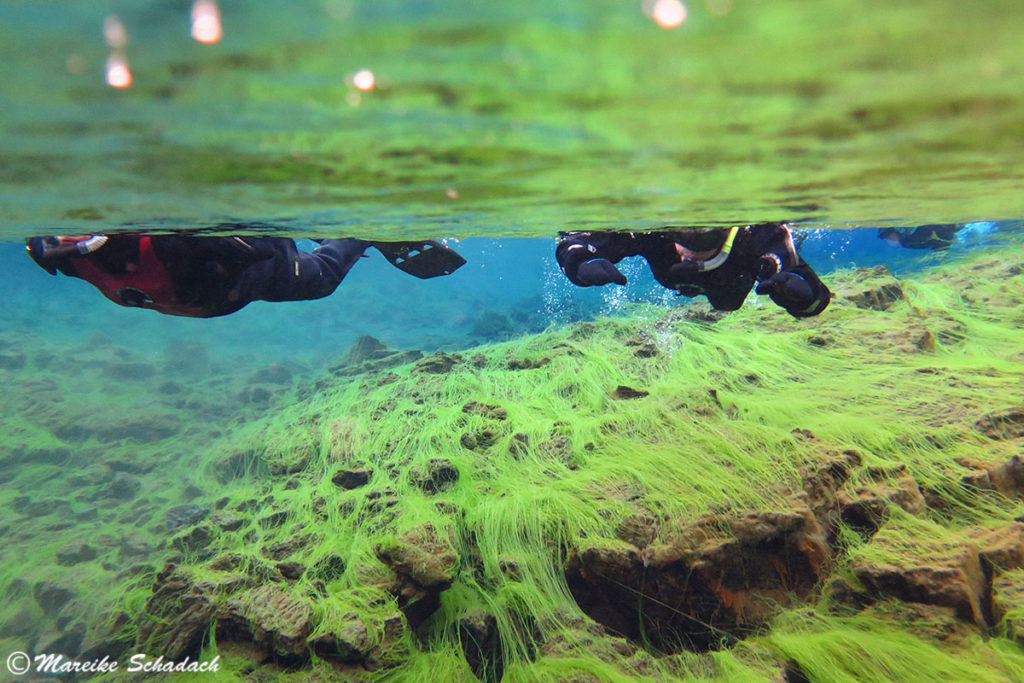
206	26
118	73
665	13
364	80
115	32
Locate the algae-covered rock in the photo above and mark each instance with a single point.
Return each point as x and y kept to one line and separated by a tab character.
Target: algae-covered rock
75	553
178	613
1004	425
435	476
183	515
1008	599
687	594
439	363
424	566
528	363
51	597
952	578
624	392
871	288
867	507
485	410
272	620
345	641
481	645
352	478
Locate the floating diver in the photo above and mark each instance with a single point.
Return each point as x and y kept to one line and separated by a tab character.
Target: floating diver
720	263
934	237
205	277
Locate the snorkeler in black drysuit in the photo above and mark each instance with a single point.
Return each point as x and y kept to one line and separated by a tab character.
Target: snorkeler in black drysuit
206	277
934	237
722	264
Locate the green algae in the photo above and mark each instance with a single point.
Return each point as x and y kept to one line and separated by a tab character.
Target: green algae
558	461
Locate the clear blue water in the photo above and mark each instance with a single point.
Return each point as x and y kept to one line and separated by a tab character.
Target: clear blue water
508	288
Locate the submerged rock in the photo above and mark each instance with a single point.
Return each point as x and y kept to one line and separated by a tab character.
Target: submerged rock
953	579
352	478
51	597
436	476
274	622
481	645
485	410
528	363
871	288
1003	426
347	641
687	594
183	515
439	363
75	553
178	613
424	566
624	392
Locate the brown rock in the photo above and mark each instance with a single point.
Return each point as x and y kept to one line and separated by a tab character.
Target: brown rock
439	363
1001	548
273	620
623	392
871	288
424	566
436	476
178	614
1002	426
867	508
352	478
685	595
485	410
346	642
638	529
1008	599
953	579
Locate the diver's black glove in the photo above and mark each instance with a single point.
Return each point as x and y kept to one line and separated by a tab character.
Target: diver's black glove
790	291
598	272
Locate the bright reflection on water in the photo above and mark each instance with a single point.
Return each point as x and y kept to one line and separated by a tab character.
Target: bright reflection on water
206	26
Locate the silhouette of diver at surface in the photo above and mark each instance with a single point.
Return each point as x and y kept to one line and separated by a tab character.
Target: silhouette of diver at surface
206	277
934	237
722	264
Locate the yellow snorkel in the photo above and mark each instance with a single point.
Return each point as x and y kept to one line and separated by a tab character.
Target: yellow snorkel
721	256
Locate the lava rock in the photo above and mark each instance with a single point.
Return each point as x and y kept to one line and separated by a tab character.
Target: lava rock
623	392
352	478
272	620
347	643
51	597
438	475
183	515
75	553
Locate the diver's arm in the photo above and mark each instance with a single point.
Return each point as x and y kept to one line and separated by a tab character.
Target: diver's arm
788	280
587	258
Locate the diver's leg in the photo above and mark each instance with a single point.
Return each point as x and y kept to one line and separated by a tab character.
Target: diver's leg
293	275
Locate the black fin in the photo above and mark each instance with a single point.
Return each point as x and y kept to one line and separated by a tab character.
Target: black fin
424	259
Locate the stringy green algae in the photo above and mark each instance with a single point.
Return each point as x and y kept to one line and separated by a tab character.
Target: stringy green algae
570	461
682	450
